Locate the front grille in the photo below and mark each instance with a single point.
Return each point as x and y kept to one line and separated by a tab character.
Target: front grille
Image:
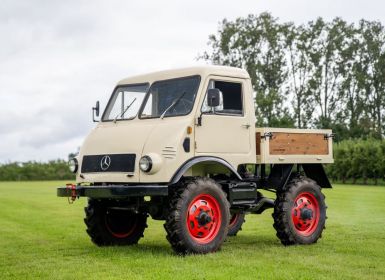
108	163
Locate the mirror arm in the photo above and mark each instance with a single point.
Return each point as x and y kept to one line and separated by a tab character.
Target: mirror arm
199	123
95	111
93	114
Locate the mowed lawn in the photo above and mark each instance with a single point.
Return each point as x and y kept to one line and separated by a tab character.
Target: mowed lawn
43	237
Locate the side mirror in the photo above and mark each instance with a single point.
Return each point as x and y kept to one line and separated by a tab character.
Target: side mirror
95	111
97	108
213	97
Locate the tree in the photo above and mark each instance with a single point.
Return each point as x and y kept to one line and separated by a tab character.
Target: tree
319	74
325	57
297	41
256	43
373	57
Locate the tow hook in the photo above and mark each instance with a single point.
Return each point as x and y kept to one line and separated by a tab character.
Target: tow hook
71	188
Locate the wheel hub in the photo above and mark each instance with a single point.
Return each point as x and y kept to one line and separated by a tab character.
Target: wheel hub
305	213
120	223
204	218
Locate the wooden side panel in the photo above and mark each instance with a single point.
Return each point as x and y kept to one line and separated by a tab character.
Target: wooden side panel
298	144
258	143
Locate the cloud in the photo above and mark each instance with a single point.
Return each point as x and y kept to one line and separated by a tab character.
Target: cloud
58	57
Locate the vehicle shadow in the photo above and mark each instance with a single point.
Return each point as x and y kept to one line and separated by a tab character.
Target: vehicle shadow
163	249
253	240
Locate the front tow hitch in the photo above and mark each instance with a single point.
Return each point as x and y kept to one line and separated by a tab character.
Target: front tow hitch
71	189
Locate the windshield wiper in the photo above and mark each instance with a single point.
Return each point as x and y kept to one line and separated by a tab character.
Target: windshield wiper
172	105
125	110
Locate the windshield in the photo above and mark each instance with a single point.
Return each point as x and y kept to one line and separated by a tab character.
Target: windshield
125	102
171	98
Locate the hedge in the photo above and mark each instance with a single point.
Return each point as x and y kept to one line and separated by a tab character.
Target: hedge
358	161
34	171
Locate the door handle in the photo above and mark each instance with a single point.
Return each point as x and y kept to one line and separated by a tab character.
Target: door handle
247	126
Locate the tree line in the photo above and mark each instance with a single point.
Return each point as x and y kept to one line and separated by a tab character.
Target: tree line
34	171
358	161
314	75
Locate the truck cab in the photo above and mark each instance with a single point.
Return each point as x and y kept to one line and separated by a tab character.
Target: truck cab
191	133
132	125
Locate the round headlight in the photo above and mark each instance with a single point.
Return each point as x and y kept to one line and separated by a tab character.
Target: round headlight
145	164
73	165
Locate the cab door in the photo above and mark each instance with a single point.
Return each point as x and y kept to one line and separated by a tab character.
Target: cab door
224	129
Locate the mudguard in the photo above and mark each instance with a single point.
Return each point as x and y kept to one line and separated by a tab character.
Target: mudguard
196	160
316	172
281	173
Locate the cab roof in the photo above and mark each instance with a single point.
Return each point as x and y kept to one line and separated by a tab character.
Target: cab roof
202	71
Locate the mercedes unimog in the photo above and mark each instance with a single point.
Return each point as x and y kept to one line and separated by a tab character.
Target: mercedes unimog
182	146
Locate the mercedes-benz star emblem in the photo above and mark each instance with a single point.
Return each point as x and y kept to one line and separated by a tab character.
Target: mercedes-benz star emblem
105	163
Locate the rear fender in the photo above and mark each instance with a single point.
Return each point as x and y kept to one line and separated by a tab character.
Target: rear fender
281	173
317	173
279	176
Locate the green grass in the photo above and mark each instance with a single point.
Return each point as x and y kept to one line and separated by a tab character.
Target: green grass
43	237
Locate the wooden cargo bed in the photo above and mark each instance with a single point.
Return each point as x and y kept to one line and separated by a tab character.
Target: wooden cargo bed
284	145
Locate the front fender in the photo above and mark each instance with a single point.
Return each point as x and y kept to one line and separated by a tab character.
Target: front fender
199	160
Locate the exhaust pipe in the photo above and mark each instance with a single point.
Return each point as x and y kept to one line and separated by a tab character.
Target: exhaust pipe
262	203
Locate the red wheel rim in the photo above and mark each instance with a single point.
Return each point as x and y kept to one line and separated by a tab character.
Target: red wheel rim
305	213
119	224
204	218
233	219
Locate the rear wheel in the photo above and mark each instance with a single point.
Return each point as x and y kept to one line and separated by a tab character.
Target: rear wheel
299	212
198	218
109	224
236	222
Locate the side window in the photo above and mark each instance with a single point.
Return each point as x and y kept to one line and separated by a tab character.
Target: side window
231	101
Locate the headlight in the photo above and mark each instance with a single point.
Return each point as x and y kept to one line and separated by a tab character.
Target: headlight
145	164
73	165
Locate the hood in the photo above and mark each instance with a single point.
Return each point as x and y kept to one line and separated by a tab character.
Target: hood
116	140
124	141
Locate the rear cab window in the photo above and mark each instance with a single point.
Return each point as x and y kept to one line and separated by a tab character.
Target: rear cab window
231	102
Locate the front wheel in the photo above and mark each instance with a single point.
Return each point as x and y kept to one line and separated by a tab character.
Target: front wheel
299	212
109	224
198	217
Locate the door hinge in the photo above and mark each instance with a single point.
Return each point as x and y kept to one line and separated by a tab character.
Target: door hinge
267	135
327	136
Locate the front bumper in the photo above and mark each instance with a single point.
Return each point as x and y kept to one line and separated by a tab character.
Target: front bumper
112	191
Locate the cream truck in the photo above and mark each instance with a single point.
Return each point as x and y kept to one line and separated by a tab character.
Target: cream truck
182	146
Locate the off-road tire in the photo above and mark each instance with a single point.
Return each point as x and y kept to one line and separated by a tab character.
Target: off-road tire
285	212
185	204
236	222
108	226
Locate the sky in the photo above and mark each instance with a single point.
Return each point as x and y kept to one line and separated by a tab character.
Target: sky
58	57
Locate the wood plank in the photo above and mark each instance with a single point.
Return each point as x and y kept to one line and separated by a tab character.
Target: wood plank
298	144
258	143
